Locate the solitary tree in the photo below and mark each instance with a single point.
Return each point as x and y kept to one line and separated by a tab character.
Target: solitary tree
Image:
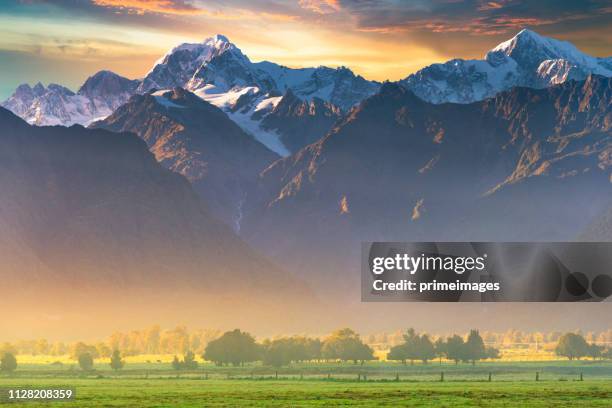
233	347
398	353
407	350
362	353
411	345
278	352
275	354
345	345
474	348
86	362
455	349
573	346
116	362
415	347
425	349
8	363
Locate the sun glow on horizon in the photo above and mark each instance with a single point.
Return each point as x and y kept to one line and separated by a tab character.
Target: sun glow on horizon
386	42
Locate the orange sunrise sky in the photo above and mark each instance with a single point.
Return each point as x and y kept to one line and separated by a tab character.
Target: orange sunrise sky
65	41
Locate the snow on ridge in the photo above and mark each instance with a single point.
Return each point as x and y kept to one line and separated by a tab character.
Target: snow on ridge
268	138
161	92
527	59
268	104
222	98
225	100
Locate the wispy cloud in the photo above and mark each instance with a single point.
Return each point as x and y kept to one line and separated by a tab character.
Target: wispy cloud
473	16
179	7
320	6
379	39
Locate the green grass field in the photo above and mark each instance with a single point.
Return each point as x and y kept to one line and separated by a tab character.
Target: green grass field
323	385
123	392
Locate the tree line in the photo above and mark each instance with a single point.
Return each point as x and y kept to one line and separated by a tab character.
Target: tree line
574	346
417	347
508	338
152	340
237	348
179	340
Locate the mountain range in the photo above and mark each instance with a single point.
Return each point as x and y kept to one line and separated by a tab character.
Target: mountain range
528	164
218	72
214	166
221	74
528	60
97	98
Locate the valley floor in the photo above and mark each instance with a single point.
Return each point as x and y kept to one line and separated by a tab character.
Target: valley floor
321	393
326	385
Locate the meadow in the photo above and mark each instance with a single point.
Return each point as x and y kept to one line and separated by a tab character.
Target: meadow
150	381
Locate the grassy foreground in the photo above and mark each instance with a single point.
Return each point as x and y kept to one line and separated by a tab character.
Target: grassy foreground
153	383
124	392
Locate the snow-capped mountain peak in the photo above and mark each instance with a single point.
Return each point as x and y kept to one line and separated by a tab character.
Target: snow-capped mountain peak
23	97
203	51
529	49
219	41
217	71
107	84
528	59
38	89
523	37
97	98
179	65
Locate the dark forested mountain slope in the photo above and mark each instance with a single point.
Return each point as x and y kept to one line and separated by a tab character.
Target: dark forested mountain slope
196	139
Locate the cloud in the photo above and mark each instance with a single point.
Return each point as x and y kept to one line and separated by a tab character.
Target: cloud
176	7
481	17
163	13
320	6
380	39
